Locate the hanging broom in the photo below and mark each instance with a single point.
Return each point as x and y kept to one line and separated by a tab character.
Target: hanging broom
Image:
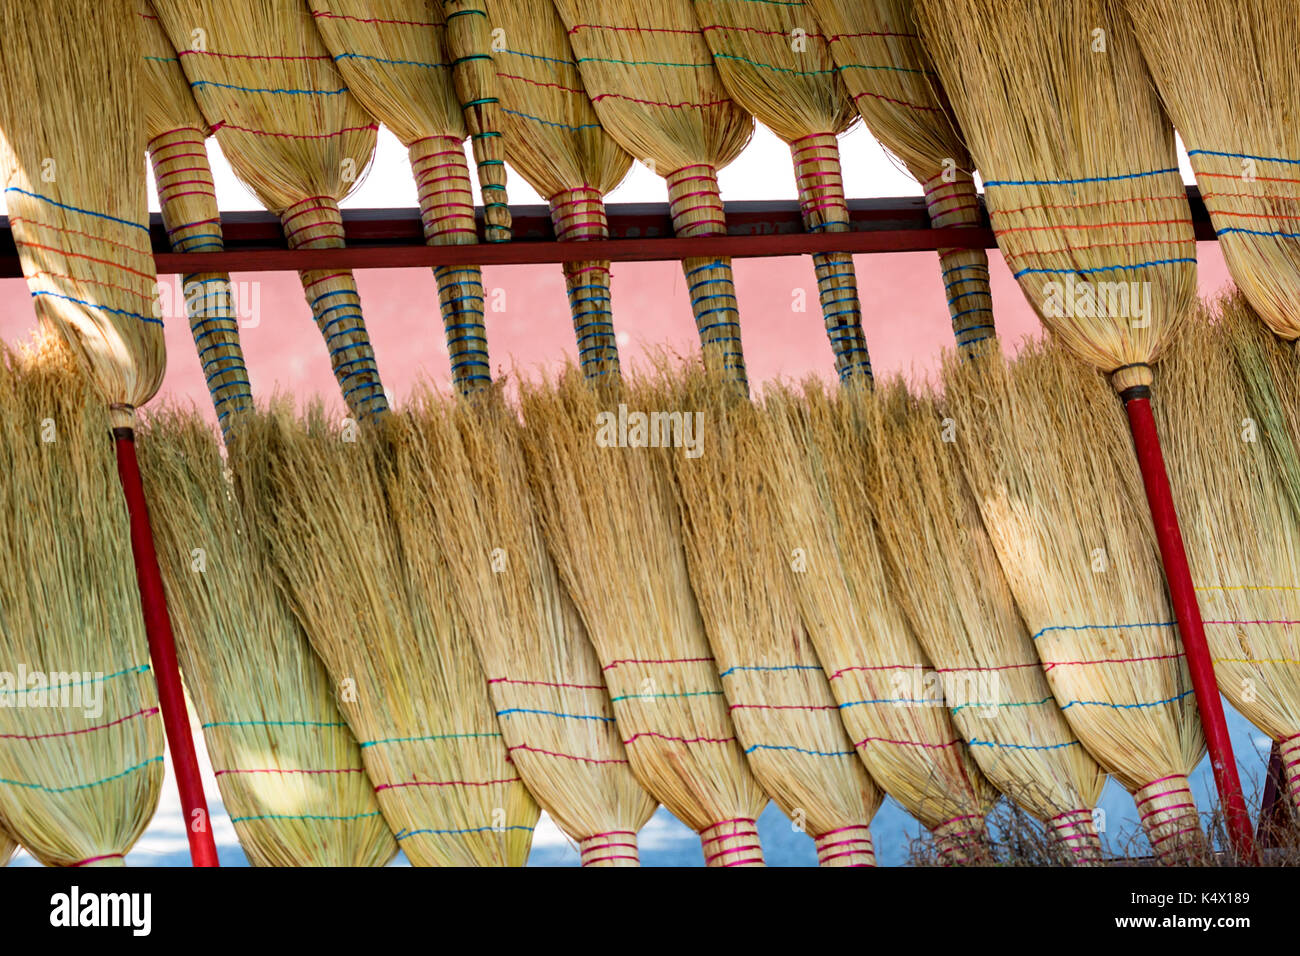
780	701
289	770
188	200
77	205
378	613
890	78
554	140
1236	113
775	65
610	521
1044	451
878	672
961	610
393	56
1096	228
655	89
1225	427
81	761
544	677
470	44
297	138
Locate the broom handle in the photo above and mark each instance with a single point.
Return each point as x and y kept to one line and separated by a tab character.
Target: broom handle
474	76
824	209
579	214
189	209
696	206
317	223
447	214
1137	402
952	202
162	653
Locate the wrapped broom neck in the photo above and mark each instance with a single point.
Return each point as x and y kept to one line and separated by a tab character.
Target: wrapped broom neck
317	223
952	202
447	214
822	203
732	843
578	214
695	203
846	846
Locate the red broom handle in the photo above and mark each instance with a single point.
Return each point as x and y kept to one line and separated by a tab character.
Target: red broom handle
162	652
1146	441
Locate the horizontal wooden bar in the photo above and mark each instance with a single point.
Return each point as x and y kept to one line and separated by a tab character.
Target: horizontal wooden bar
639	232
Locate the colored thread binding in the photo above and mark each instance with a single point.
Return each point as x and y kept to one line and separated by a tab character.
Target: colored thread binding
579	214
825	209
615	848
846	846
317	223
447	214
1076	833
732	843
1289	749
1168	815
696	207
474	78
960	840
952	202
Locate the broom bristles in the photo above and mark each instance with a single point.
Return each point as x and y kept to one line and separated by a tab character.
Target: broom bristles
76	199
1066	203
1228	74
1048	457
373	597
609	518
877	670
782	707
1222	420
543	675
81	759
288	769
957	601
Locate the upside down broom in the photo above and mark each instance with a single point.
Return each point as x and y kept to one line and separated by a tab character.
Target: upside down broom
947	577
890	78
392	55
777	69
1229	447
311	803
655	89
77	202
1080	216
553	138
876	669
297	138
781	704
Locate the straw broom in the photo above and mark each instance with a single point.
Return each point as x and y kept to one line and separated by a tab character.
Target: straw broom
397	648
1227	73
469	42
1230	483
785	716
1098	231
610	520
188	200
297	138
544	677
655	89
959	606
554	140
878	672
77	206
392	55
289	771
890	78
775	65
1045	453
80	743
